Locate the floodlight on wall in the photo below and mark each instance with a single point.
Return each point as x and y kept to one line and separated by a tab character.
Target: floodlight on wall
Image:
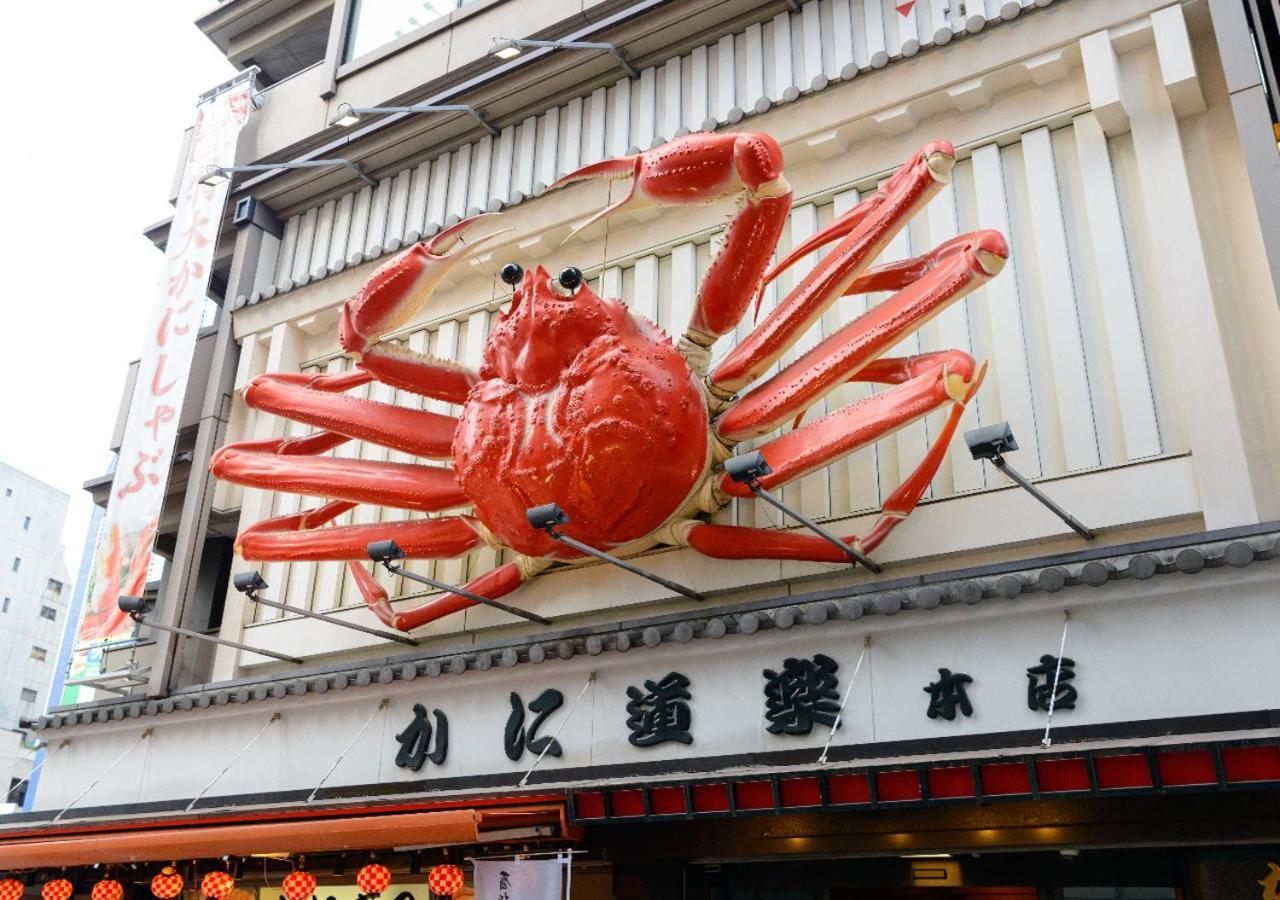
137	608
749	468
386	552
549	515
991	443
348	115
215	175
250	583
510	48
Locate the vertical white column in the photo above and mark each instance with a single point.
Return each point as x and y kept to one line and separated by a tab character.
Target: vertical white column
375	236
438	195
728	108
570	150
398	211
874	32
753	45
813	77
500	179
301	271
842	62
459	181
620	118
784	88
284	259
416	216
645	299
341	233
684	288
596	112
359	226
481	163
699	89
320	245
647	104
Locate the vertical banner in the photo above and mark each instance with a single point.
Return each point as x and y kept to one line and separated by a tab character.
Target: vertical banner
520	879
128	531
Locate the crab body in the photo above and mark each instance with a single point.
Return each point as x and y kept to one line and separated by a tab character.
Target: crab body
581	402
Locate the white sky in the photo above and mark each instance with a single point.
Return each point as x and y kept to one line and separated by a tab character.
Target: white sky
87	152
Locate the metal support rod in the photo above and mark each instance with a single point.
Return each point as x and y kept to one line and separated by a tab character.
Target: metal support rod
185	632
386	701
1047	741
591	679
235	759
426	108
305	164
844	701
623	564
463	592
631	70
853	553
297	610
999	462
105	772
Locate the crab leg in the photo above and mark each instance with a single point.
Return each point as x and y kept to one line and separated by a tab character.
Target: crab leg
704	168
928	285
740	542
867	230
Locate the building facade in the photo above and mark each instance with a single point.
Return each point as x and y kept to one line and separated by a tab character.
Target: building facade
34	592
1008	709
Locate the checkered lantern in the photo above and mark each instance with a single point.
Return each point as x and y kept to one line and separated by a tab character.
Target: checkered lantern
373	879
216	884
107	889
11	889
445	880
167	884
299	885
58	889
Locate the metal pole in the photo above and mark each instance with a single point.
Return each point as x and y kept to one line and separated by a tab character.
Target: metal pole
851	552
623	564
591	679
297	610
463	592
1000	463
213	640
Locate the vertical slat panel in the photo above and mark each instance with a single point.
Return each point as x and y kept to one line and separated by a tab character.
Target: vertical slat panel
374	238
684	288
812	77
843	62
299	578
755	97
359	226
548	138
728	108
784	83
671	94
341	232
937	29
398	212
301	271
284	260
874	33
481	162
524	159
619	118
320	245
699	91
500	180
459	183
570	149
647	108
1010	374
610	283
645	293
328	575
438	195
1115	283
415	222
1070	381
594	148
483	559
907	27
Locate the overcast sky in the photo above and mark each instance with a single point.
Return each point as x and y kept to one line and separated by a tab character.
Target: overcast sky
88	150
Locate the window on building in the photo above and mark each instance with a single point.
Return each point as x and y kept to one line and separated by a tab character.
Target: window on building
17	791
52	591
17	563
26	523
378	22
39	653
48	612
28	695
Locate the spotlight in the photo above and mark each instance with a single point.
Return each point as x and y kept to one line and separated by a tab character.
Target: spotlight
991	442
505	48
346	116
547	516
213	176
748	468
381	551
134	606
249	582
510	48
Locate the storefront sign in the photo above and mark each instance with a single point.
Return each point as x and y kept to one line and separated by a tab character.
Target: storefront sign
527	879
138	488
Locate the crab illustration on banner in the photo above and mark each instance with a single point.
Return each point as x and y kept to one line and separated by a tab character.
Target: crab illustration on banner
57	889
582	402
167	884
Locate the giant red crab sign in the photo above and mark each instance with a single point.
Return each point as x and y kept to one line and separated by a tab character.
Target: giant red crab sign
582	402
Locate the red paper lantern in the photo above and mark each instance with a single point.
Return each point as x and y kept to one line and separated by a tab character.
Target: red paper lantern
299	885
167	885
445	880
107	889
11	889
216	885
58	889
373	879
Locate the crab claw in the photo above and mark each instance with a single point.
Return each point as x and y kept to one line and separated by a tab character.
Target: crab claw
398	290
609	170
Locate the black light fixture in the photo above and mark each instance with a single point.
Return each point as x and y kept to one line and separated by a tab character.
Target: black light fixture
509	48
348	115
137	608
749	468
250	583
215	175
385	552
992	442
549	515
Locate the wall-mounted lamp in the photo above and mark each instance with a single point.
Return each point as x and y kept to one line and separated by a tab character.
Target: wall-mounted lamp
386	552
137	608
992	442
549	515
510	48
250	583
215	175
349	115
749	468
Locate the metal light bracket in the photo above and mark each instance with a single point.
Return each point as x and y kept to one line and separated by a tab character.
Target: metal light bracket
503	43
548	516
347	112
137	608
249	583
212	172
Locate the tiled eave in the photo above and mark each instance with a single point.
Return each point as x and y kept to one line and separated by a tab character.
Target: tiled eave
1191	554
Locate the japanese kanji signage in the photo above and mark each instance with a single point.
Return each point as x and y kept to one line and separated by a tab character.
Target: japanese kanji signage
138	489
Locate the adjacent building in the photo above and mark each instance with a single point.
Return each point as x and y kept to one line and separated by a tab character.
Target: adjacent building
34	592
1008	709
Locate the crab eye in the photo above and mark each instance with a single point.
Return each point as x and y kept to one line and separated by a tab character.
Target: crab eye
511	273
568	282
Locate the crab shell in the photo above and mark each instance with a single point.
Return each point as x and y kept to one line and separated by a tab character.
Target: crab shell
584	403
